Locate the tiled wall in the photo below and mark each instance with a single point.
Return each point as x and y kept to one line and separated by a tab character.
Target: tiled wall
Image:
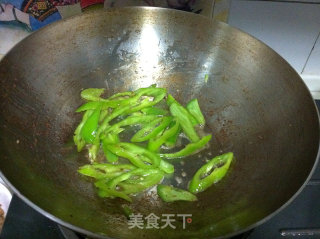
291	28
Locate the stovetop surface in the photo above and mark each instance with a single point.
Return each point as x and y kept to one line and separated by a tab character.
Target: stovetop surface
301	216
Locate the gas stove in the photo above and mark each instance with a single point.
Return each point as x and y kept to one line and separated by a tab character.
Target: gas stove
301	219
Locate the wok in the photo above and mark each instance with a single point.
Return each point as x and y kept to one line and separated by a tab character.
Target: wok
255	105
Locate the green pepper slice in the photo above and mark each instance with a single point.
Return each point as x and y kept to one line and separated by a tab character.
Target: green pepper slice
181	115
155	144
136	175
132	186
103	171
111	157
92	94
171	99
133	153
103	114
77	138
89	129
148	97
172	194
132	120
136	103
134	181
154	111
210	173
115	113
166	167
189	149
172	141
92	105
194	109
122	95
110	139
152	129
93	151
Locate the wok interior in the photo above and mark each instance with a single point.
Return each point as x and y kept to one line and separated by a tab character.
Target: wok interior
254	103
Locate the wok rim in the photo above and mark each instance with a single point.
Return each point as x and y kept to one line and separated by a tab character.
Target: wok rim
101	236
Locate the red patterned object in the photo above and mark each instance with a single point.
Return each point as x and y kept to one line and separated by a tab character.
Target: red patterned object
64	2
87	3
39	9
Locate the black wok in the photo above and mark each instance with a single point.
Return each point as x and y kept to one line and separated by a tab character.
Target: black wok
255	105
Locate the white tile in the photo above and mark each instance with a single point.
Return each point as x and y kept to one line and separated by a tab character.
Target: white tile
9	36
312	81
288	28
315	95
69	10
313	64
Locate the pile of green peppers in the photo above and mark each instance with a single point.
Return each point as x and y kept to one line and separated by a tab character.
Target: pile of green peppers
105	119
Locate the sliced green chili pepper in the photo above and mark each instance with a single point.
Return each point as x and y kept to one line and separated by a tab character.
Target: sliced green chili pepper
92	105
114	133
89	129
110	138
152	97
111	157
133	153
132	120
189	149
157	127
133	175
152	129
194	109
100	171
171	99
155	144
134	181
182	116
122	95
131	186
154	111
137	113
115	113
103	114
172	141
210	173
135	103
171	194
93	151
78	140
107	103
95	101
92	94
151	91
166	167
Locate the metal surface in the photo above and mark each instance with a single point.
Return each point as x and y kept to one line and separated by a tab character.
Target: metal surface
300	232
254	102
